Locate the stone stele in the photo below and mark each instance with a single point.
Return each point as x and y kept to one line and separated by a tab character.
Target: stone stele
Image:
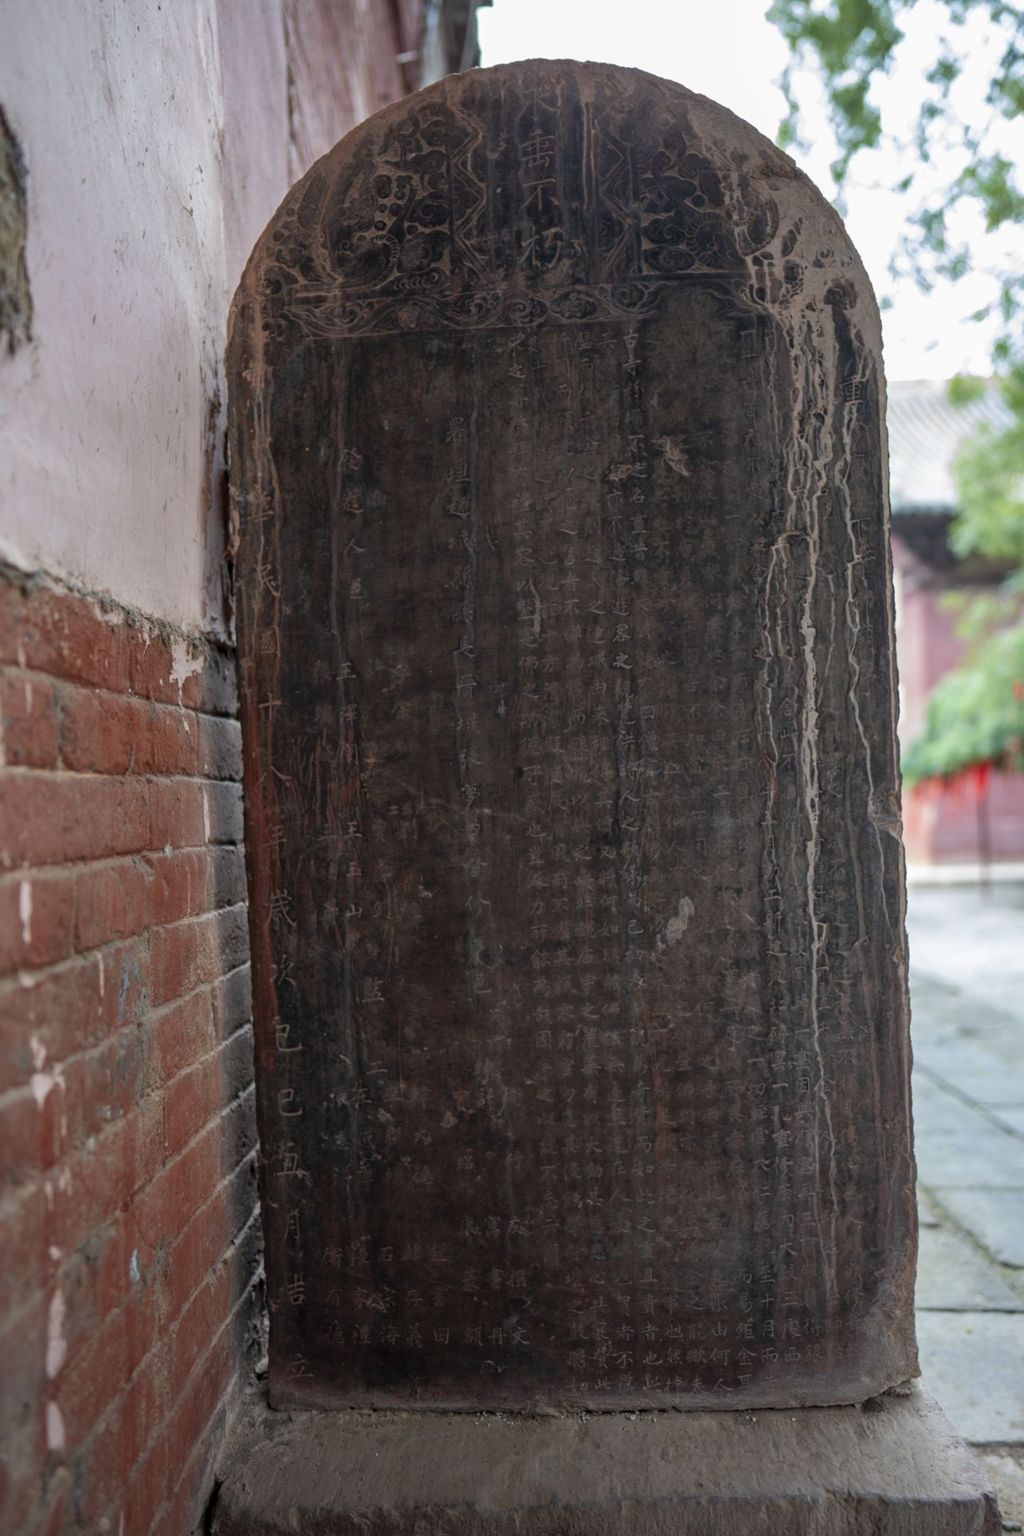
566	634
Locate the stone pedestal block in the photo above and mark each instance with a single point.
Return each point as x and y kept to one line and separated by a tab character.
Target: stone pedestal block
892	1467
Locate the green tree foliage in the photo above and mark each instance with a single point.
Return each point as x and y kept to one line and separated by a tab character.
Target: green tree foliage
849	45
976	715
990	482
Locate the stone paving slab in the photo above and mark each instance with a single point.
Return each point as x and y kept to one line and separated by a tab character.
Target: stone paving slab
994	996
971	941
1004	1469
967	993
926	1216
953	1276
988	1159
971	1361
993	1217
944	1016
975	1073
938	1109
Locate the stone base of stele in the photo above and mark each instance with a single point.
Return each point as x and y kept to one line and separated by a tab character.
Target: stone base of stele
892	1467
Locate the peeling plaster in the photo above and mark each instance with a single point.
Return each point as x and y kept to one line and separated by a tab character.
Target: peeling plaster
55	1439
183	666
56	1342
25	910
42	1085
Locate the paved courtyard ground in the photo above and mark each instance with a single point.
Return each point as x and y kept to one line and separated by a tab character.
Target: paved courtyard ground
967	994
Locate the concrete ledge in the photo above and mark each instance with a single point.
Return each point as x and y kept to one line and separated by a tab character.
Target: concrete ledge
891	1468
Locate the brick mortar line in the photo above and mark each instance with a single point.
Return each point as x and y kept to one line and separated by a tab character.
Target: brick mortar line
112	860
156	1014
11	1201
17	1314
11	981
233	1391
234	1387
206	1060
68	871
938	1081
24	770
225	1256
29	583
233	1394
26	871
195	917
10	1095
17	672
220	1114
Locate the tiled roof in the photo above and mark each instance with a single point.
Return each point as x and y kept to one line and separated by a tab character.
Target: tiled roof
925	431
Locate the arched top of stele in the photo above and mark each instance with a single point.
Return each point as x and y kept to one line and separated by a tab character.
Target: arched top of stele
545	192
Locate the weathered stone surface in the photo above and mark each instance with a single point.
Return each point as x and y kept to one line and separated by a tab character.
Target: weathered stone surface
571	784
894	1468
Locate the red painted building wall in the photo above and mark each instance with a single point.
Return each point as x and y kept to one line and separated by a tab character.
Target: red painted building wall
945	825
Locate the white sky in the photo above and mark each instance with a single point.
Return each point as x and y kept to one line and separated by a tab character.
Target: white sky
729	50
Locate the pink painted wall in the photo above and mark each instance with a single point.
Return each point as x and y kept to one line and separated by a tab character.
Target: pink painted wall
926	636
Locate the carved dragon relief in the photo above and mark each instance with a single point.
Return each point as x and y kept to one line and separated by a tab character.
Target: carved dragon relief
554	209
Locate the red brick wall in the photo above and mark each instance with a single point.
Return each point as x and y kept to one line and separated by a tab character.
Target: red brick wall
128	1227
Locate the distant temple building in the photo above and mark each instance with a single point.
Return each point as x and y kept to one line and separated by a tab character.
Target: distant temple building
925	433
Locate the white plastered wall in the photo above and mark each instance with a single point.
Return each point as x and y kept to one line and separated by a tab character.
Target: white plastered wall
157	136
